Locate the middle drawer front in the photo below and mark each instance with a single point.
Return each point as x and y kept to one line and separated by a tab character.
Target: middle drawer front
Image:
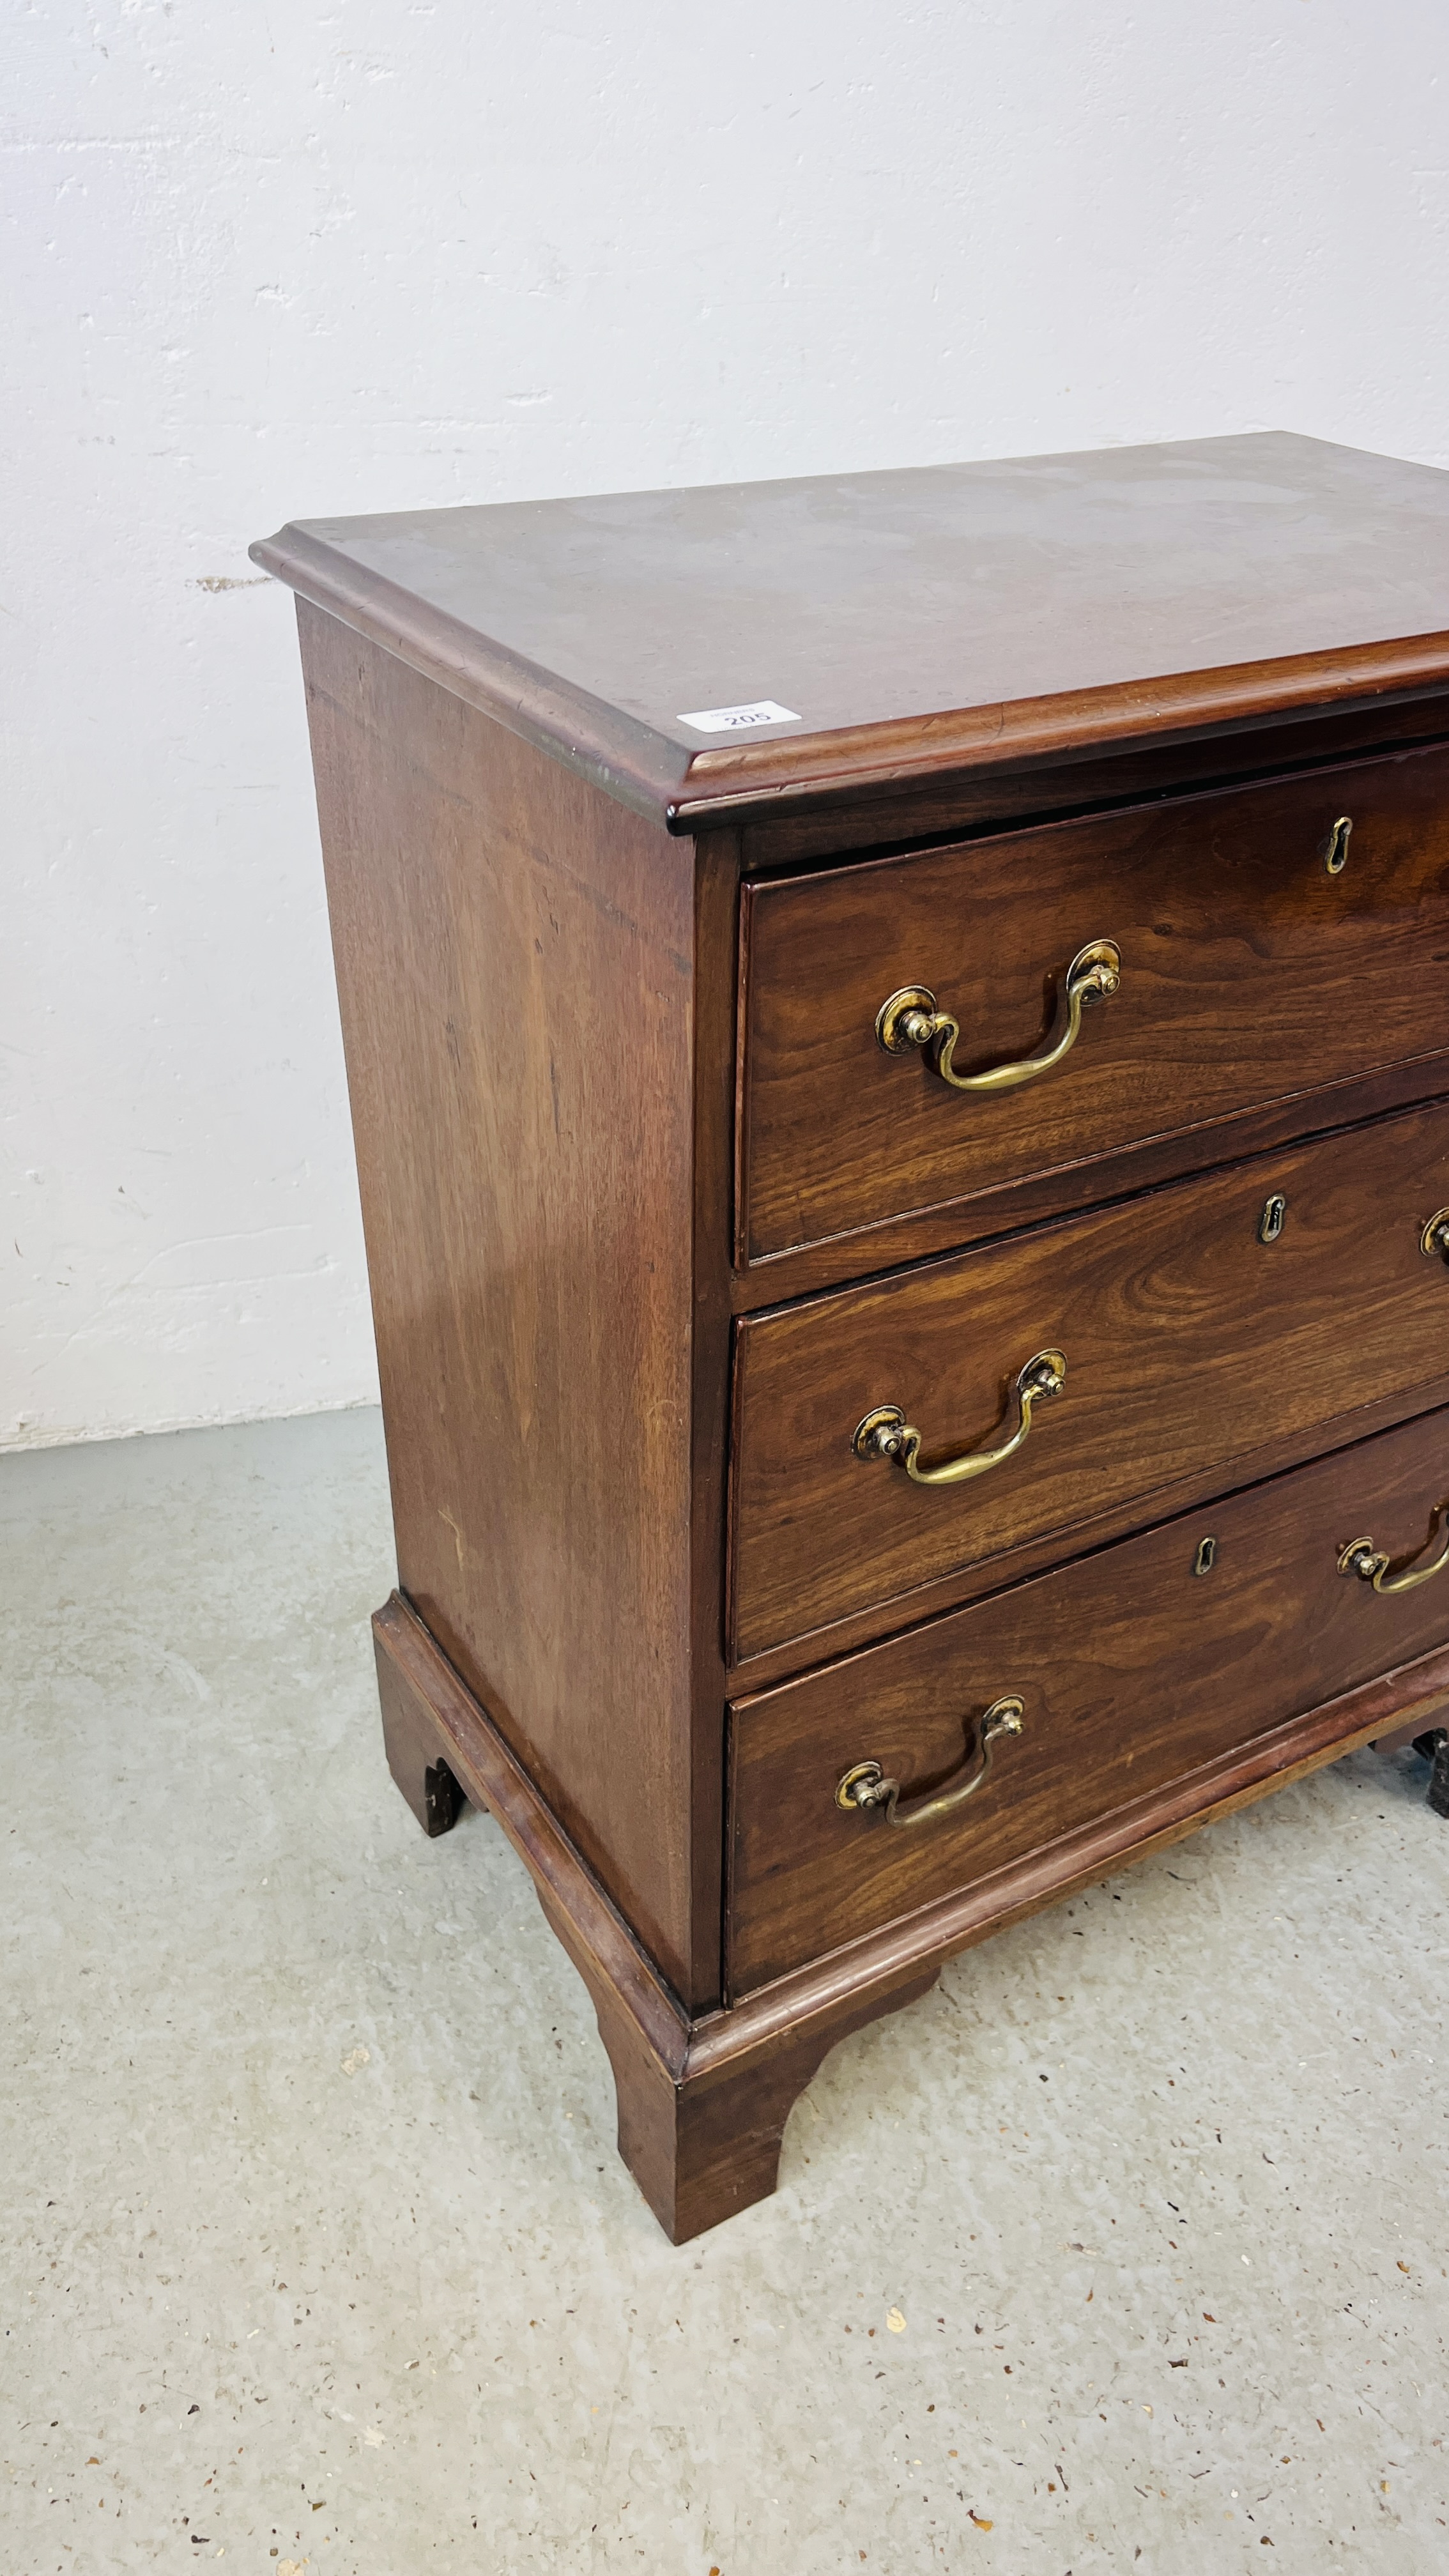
1190	1343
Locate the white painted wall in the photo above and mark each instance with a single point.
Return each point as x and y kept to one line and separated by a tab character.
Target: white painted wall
320	256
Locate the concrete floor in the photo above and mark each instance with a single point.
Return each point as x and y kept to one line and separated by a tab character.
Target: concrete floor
1126	2249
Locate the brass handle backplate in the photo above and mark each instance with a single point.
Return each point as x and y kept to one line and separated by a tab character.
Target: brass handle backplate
911	1019
864	1786
1370	1564
885	1432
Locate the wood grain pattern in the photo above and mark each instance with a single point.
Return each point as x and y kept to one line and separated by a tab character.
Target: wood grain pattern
1093	1182
1412	1694
969	743
1134	1671
702	2104
1247	973
925	625
1098	1527
515	966
1189	1344
1117	695
749	2056
434	1702
874	817
716	939
702	2146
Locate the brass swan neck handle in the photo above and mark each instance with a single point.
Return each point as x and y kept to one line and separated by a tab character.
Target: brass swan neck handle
885	1432
911	1019
1370	1564
864	1786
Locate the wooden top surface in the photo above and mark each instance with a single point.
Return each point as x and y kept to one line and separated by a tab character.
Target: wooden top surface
945	617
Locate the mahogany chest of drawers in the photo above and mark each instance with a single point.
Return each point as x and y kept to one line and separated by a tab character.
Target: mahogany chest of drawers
898	1034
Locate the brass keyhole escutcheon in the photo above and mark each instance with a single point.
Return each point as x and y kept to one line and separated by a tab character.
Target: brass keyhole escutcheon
1335	848
1270	1223
1206	1557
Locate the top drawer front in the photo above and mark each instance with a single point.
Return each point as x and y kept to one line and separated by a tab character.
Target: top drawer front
1249	973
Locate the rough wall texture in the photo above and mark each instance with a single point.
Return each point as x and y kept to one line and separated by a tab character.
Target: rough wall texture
273	261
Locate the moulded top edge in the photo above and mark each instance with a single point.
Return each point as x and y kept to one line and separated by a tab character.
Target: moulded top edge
700	653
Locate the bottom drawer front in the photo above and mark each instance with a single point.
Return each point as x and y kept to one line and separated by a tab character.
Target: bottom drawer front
1131	1668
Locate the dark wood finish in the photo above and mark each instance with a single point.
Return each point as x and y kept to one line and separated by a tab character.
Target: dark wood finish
716	935
1130	681
1095	1529
1091	1183
702	2104
435	1705
940	749
410	1741
745	2066
877	817
705	2144
1417	1691
1133	1670
1189	1345
515	963
1248	973
924	625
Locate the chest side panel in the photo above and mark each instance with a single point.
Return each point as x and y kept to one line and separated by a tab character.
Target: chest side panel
515	965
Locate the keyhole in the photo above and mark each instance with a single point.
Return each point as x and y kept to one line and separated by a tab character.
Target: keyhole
1270	1223
1206	1557
1335	851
